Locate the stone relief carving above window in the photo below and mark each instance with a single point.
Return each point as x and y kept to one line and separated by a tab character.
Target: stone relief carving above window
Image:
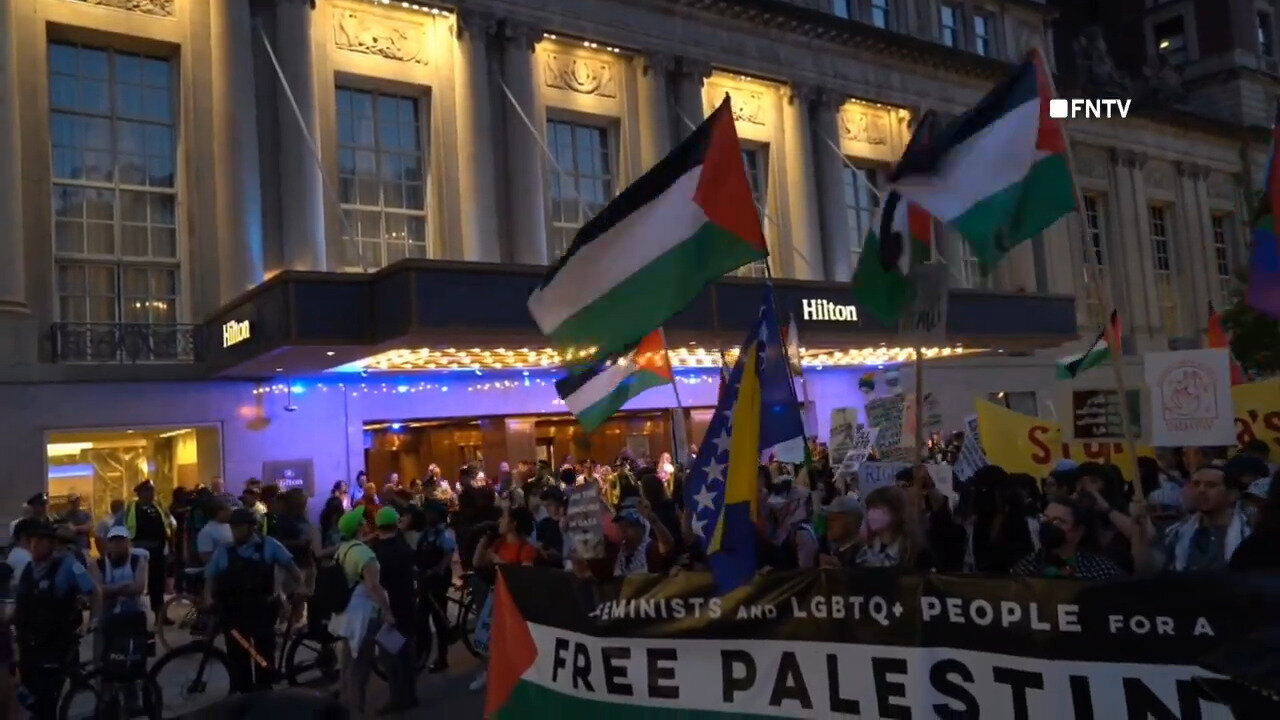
863	125
747	105
371	35
1221	186
1159	176
160	8
1091	162
584	75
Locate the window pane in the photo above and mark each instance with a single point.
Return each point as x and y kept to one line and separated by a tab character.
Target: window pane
585	184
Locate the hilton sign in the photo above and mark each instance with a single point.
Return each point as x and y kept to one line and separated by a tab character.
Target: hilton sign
235	331
817	309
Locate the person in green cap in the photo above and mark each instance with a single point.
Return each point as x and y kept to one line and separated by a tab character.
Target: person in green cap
395	556
365	612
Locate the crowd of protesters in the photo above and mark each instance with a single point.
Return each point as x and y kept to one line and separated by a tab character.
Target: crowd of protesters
403	542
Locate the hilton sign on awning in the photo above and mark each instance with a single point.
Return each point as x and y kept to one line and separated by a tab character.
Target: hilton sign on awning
235	331
818	309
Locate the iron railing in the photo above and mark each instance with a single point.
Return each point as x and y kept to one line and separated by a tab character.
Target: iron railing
125	343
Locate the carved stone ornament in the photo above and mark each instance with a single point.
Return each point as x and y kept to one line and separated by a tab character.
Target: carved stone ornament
372	35
747	106
864	125
1091	162
159	8
585	75
1098	73
1159	175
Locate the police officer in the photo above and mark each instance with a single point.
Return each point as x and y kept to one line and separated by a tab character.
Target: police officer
46	616
149	529
241	581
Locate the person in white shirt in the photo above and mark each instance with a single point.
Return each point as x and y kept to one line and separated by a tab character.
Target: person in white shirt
19	556
216	533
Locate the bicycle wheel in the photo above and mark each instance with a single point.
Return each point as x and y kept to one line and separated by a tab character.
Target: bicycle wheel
311	661
181	611
468	618
191	677
79	701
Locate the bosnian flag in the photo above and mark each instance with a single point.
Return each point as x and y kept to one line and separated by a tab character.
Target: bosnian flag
647	255
595	392
998	173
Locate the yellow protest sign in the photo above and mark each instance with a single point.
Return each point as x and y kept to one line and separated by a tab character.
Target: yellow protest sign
1258	412
1025	444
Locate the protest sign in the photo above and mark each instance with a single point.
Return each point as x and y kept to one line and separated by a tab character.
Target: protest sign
843	421
863	440
820	644
932	418
1257	413
1096	414
1190	397
877	474
1025	444
886	415
943	479
971	457
585	529
925	322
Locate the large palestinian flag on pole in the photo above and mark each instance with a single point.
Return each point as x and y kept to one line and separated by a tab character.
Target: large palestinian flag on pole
998	173
595	392
647	255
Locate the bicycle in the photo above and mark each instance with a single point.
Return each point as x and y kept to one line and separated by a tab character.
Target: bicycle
183	613
92	693
464	602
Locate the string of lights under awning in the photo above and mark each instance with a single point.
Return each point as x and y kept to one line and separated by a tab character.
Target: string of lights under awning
449	358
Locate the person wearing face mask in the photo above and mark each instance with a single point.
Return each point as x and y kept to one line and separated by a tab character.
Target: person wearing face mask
1064	525
792	541
891	540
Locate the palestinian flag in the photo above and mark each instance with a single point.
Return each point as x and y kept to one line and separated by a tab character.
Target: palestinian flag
998	173
595	392
647	255
898	240
1099	352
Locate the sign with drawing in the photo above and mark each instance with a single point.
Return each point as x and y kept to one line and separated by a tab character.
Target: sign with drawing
1190	393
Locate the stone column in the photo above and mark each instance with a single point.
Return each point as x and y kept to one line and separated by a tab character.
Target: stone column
301	184
1195	263
802	191
655	109
476	178
690	74
837	238
239	188
13	289
527	175
1134	258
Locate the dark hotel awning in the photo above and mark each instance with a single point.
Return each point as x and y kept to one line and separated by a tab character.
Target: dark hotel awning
307	322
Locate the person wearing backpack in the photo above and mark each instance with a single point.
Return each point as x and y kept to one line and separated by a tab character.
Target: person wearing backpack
121	575
397	575
241	577
362	613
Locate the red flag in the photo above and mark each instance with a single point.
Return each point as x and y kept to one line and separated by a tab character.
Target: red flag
1218	338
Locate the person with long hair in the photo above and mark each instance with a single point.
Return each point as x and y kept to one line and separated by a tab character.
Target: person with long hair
1260	552
892	540
340	490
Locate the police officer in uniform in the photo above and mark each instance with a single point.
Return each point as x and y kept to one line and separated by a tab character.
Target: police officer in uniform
149	528
241	581
46	616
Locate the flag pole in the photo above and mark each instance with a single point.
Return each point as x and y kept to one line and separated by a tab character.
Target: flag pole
919	401
1117	366
678	443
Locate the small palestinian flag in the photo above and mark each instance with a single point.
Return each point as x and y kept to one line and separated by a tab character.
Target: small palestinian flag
652	250
899	239
595	392
1107	342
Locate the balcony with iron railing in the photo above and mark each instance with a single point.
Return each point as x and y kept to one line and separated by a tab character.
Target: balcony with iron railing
125	343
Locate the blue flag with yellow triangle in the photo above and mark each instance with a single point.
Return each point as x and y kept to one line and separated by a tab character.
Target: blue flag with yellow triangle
757	411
